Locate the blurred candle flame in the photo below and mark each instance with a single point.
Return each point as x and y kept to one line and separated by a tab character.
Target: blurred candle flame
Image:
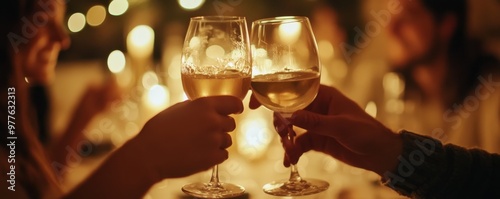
140	41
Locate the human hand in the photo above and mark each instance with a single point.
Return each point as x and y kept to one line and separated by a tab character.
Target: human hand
188	137
337	126
98	98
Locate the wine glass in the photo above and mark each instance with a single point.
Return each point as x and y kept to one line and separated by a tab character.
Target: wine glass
286	78
216	60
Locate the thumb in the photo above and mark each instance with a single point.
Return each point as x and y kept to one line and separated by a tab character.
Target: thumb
326	125
254	103
309	120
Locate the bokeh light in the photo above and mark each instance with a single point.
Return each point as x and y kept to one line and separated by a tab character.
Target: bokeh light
96	15
215	52
371	109
76	22
254	137
140	41
191	4
116	61
158	97
118	7
149	79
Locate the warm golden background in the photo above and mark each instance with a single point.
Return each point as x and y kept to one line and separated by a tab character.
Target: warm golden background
142	39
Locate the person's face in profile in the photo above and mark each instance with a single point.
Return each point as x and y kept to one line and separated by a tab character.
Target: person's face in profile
39	55
413	35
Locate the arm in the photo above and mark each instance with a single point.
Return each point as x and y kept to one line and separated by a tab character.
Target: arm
125	174
418	166
444	171
164	149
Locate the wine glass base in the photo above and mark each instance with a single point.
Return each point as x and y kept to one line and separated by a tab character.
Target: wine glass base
207	190
302	188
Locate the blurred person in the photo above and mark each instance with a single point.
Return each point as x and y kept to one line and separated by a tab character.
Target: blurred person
38	57
357	60
450	82
414	165
33	33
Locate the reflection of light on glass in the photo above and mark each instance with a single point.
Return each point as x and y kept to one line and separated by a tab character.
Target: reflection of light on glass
140	41
260	53
393	85
96	15
237	54
302	50
174	70
215	51
158	97
371	109
26	79
116	61
149	79
194	43
265	65
268	63
254	137
325	49
191	4
118	7
76	22
290	32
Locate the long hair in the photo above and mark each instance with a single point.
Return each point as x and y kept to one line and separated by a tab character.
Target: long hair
33	172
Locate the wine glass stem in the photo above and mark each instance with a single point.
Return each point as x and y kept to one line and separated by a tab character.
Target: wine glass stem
294	171
214	180
294	174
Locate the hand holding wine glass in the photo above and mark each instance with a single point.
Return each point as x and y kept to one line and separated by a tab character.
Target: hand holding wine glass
216	61
286	78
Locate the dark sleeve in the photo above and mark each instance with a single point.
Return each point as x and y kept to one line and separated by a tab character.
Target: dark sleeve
427	169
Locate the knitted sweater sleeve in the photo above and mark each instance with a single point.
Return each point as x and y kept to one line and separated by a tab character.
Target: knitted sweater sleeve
427	169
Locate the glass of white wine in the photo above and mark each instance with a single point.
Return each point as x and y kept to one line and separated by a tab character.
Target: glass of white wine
216	60
286	78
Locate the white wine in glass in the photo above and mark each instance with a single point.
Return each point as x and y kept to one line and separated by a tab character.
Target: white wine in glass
216	60
286	78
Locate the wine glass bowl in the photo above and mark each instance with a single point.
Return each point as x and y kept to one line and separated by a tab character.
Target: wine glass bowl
216	57
286	78
216	60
